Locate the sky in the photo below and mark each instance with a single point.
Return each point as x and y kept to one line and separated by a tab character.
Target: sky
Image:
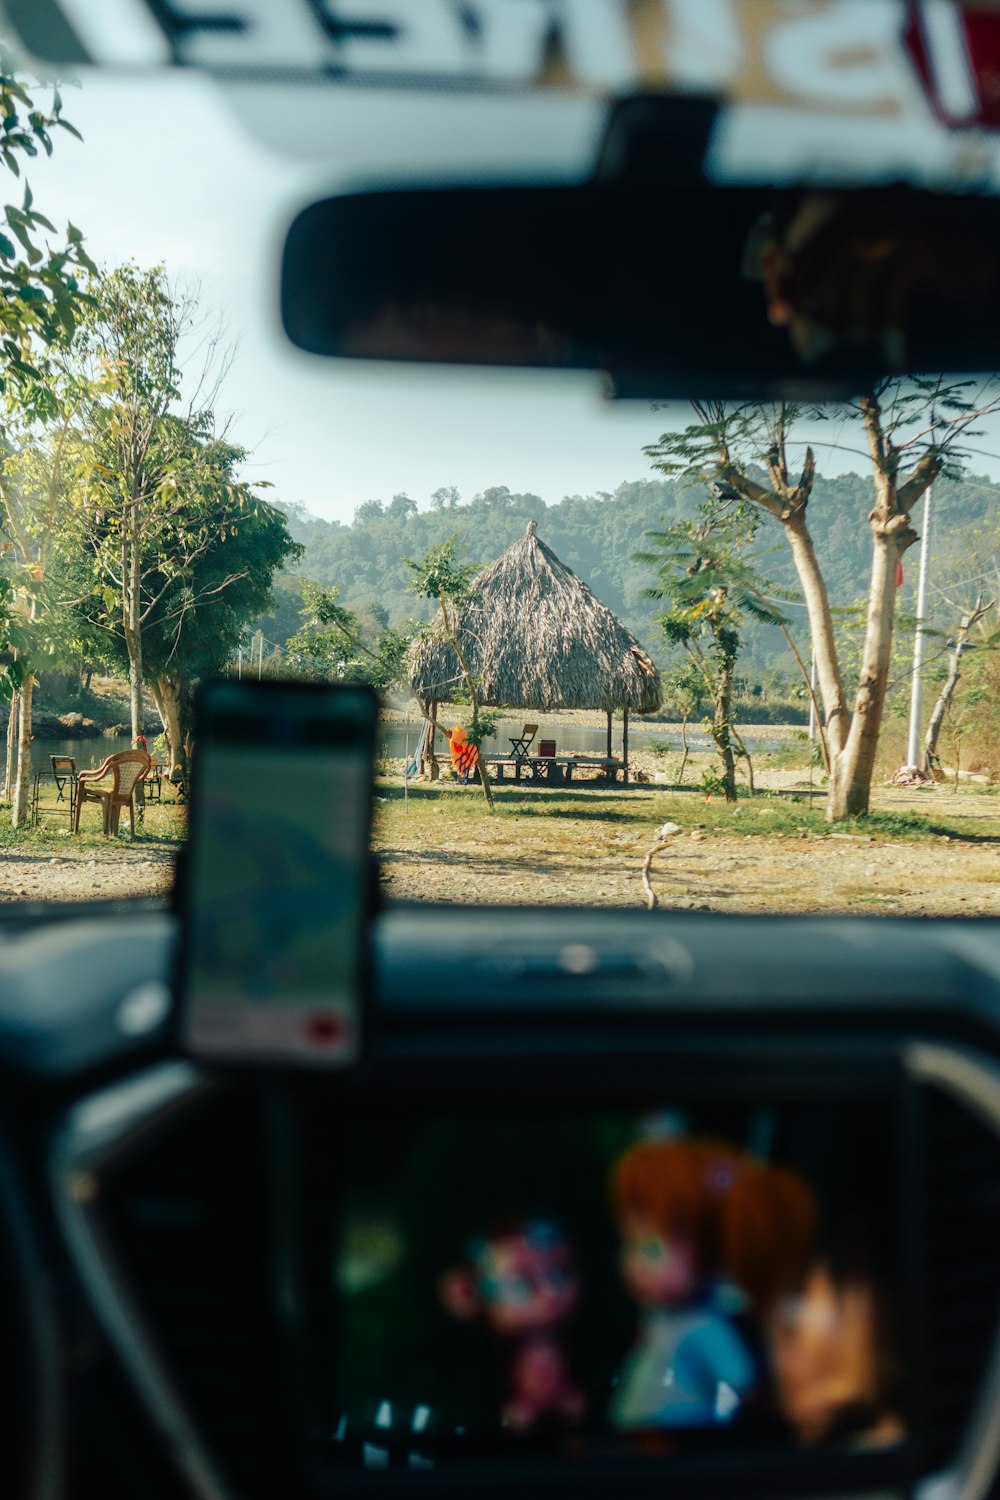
169	173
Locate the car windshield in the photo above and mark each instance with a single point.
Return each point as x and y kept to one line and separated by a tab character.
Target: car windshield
721	656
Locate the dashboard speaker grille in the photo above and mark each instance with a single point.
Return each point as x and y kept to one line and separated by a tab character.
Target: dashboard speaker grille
189	1222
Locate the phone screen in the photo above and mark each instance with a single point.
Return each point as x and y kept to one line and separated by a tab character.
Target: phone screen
277	882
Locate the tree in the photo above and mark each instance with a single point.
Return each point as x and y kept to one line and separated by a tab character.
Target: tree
706	573
446	498
440	577
334	642
957	646
40	302
684	689
912	430
201	613
400	507
40	294
35	493
156	474
368	511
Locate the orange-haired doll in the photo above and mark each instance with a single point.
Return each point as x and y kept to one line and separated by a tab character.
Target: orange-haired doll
695	1219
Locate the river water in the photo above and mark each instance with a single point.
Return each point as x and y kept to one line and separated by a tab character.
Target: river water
395	741
88	753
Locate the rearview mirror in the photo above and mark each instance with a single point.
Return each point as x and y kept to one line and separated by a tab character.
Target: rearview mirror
673	290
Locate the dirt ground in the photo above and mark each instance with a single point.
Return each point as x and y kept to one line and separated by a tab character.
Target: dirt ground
546	847
825	871
86	874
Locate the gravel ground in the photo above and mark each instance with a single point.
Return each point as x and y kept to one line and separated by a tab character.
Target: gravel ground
86	875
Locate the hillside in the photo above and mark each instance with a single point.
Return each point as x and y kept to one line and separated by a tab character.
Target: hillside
597	535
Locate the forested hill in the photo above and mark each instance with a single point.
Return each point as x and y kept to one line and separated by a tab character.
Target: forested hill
597	535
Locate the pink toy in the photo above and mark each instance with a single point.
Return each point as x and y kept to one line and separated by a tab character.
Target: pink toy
522	1281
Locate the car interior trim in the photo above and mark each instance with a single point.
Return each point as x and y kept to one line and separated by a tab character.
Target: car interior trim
46	1437
96	1132
973	1080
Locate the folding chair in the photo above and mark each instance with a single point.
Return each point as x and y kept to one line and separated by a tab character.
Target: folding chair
63	771
521	745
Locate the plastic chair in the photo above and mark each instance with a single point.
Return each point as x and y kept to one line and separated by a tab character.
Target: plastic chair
520	745
113	784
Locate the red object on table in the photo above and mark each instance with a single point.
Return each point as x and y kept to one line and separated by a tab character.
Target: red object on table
546	749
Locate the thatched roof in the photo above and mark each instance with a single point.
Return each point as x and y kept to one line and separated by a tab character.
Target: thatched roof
535	637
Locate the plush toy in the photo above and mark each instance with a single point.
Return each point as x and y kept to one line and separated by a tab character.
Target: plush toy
705	1229
522	1283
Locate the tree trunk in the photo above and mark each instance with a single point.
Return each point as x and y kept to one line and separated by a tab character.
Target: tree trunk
684	747
948	688
744	755
136	703
132	629
625	745
817	602
8	781
721	723
22	784
851	767
167	695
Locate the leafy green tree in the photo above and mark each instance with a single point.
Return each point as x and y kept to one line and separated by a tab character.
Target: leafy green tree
439	576
368	511
707	574
684	690
334	642
37	482
41	296
157	476
41	299
203	578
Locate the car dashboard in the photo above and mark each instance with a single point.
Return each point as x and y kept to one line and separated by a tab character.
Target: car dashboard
166	1228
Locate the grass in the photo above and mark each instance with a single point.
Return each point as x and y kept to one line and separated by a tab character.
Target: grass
643	810
164	826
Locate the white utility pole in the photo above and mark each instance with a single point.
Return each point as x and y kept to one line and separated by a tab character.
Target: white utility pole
239	664
260	657
917	686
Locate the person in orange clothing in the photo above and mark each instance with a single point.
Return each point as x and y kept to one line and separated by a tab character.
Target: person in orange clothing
464	754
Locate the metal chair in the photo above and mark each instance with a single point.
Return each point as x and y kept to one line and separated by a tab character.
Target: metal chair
521	745
63	771
113	784
153	780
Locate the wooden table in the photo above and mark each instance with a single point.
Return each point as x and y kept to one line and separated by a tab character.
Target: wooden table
556	769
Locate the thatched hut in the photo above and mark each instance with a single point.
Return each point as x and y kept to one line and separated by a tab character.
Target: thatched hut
536	638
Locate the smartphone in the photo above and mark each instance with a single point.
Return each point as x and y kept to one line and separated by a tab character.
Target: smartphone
274	901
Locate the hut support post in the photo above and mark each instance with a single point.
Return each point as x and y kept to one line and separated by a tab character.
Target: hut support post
625	746
609	734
